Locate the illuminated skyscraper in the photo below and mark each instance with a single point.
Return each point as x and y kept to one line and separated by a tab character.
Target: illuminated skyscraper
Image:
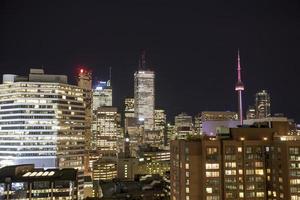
84	81
144	95
183	125
262	104
42	121
102	94
105	132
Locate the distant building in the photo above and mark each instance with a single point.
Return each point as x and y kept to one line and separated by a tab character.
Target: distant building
129	107
160	119
197	124
127	167
282	125
254	163
105	129
26	182
262	104
251	113
144	95
129	119
102	94
171	133
145	187
84	81
105	169
183	125
153	160
211	120
153	137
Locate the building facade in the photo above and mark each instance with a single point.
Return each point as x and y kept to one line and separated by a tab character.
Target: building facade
254	163
211	120
105	169
26	182
183	125
105	129
262	104
144	98
42	121
102	94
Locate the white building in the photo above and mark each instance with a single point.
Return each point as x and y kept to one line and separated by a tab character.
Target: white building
144	97
41	121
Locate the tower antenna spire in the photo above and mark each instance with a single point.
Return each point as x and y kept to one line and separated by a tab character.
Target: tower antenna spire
142	62
110	73
239	67
239	87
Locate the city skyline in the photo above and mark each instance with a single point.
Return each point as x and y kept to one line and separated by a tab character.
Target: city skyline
193	49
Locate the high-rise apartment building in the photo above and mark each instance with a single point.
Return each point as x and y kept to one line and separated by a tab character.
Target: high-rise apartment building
253	163
42	121
144	98
102	94
262	104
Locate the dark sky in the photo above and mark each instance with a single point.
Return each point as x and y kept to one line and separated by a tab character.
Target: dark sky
191	46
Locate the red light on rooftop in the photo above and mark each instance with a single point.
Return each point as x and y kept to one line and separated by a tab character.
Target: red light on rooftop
81	70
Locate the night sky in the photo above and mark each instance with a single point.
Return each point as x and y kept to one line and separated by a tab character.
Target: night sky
191	46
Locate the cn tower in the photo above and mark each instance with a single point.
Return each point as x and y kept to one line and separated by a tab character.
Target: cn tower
239	87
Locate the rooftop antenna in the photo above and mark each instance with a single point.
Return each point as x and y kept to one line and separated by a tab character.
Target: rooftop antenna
110	68
142	62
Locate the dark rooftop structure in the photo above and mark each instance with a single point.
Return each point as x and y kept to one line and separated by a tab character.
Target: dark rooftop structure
25	181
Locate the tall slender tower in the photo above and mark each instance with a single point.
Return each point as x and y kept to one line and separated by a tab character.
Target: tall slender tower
239	87
144	97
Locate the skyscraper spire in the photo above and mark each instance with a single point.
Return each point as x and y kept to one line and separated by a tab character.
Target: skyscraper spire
239	87
239	67
142	62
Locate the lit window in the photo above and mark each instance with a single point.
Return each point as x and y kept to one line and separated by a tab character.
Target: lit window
259	171
212	166
260	194
241	195
27	174
209	190
187	166
187	190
